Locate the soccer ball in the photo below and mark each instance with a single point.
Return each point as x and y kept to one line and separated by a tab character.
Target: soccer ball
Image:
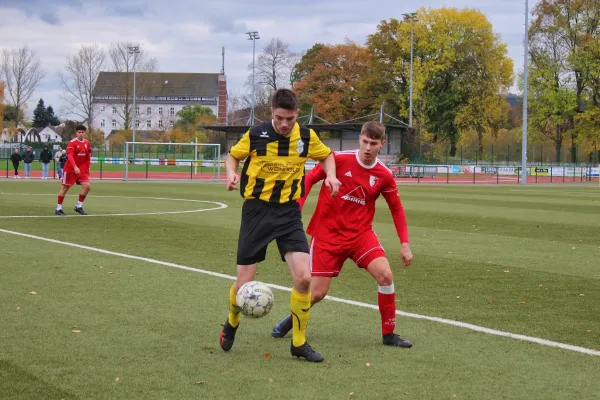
254	299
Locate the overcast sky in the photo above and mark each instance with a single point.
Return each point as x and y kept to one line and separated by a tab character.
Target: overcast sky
187	35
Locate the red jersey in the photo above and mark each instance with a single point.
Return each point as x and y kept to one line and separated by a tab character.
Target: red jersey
343	218
79	154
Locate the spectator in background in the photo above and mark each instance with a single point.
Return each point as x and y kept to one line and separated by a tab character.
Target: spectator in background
16	159
59	165
45	158
28	158
62	161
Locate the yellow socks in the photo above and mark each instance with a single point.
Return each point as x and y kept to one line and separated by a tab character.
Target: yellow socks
300	307
234	311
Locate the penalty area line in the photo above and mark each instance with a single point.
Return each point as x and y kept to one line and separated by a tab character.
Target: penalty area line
459	324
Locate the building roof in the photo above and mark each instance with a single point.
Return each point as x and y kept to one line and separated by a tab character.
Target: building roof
159	83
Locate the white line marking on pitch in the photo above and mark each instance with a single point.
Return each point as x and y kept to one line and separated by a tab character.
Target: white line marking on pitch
220	206
336	299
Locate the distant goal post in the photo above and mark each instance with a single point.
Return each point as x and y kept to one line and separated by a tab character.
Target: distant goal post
172	161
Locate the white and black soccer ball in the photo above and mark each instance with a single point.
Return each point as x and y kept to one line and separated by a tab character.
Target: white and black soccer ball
255	299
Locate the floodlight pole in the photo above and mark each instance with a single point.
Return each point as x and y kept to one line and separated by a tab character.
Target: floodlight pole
525	91
413	18
135	50
253	35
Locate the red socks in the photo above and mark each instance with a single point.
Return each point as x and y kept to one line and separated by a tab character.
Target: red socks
81	198
61	199
386	299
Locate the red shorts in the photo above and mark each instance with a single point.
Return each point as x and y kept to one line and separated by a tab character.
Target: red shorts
327	259
71	178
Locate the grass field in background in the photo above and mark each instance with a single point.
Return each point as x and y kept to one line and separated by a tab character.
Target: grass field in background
516	259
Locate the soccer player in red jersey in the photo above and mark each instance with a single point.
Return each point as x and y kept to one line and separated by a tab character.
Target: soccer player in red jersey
76	170
341	227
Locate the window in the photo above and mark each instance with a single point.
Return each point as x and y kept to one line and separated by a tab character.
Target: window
114	110
171	124
149	124
137	123
137	109
114	124
103	108
172	111
160	123
160	110
148	110
103	123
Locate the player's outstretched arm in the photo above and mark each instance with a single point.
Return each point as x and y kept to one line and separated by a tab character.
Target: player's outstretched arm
312	178
392	197
331	181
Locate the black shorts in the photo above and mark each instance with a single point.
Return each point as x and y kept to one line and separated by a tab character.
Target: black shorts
263	222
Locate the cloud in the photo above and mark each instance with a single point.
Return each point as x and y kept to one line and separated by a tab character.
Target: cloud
188	36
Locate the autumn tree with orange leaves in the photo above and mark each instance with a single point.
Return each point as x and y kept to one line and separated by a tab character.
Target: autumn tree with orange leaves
329	78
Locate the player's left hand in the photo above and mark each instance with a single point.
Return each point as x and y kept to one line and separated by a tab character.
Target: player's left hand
333	184
406	254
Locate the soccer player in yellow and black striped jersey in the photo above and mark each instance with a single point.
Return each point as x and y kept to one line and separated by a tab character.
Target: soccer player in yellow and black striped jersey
271	182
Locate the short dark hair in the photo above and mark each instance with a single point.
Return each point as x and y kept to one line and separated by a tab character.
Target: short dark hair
285	98
80	128
373	130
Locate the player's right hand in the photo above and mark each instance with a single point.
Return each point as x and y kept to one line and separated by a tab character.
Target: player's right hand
231	182
406	254
333	184
77	170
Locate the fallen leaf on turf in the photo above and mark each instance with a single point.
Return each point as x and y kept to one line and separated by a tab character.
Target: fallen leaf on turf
117	379
523	302
76	331
270	380
32	292
458	297
406	393
507	270
18	308
491	301
540	285
581	294
588	331
110	273
200	382
232	369
453	396
123	358
267	355
351	394
368	364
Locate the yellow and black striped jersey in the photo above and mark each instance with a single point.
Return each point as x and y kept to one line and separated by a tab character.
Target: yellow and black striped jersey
274	167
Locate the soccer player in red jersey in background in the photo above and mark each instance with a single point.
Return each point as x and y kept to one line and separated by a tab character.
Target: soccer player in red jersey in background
341	227
76	170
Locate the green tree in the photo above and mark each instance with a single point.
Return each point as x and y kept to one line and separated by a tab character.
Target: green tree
575	24
11	114
40	115
194	114
459	62
52	119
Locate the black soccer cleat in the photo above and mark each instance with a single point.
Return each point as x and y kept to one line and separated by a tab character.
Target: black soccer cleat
80	210
306	352
227	336
60	212
391	339
282	327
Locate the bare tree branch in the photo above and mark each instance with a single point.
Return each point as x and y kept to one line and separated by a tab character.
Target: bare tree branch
79	79
126	62
22	73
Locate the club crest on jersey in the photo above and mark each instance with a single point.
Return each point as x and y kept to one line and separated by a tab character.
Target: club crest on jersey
373	180
299	146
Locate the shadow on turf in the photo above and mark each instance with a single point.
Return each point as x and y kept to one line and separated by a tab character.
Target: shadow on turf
17	383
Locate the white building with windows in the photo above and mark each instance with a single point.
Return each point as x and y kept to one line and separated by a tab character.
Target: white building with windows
159	96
